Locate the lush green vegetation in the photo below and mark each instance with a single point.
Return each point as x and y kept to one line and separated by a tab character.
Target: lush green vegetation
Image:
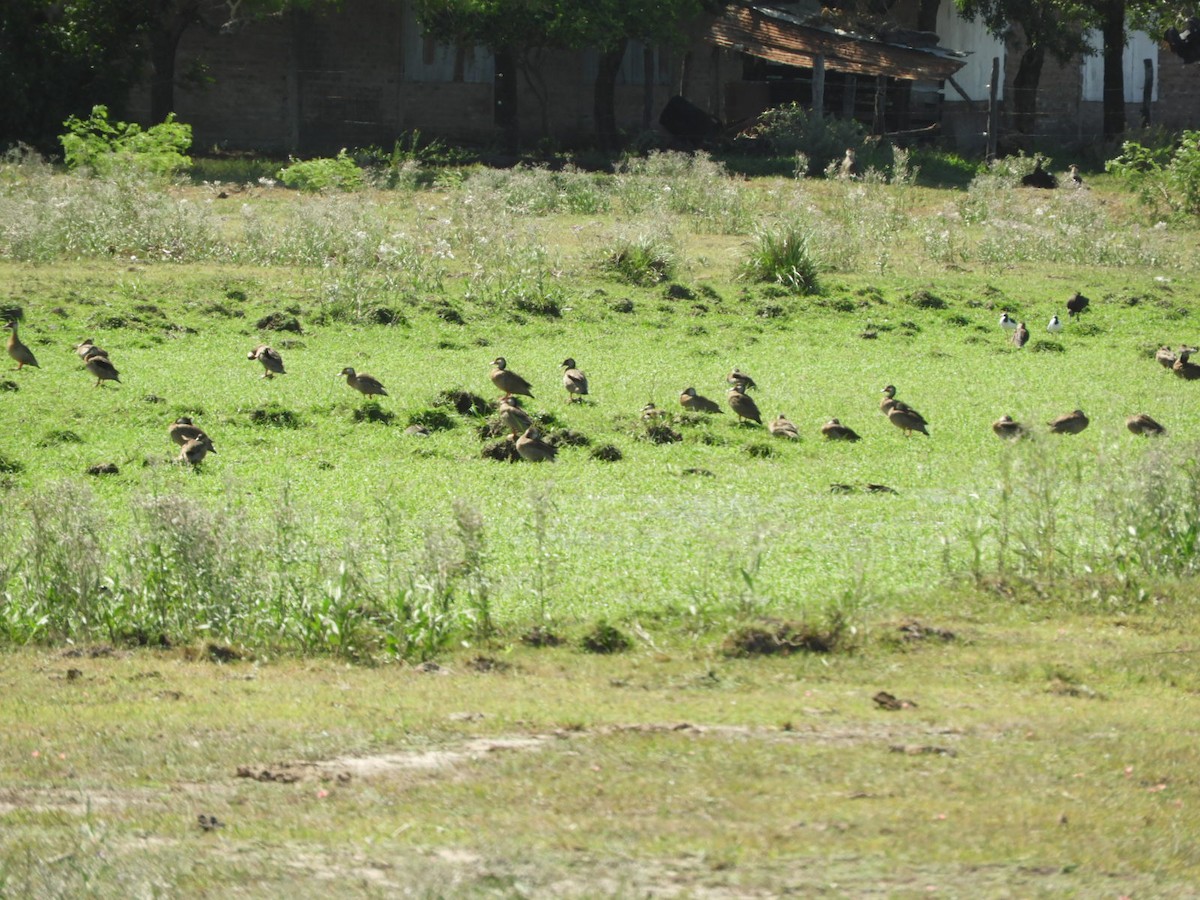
321	526
602	716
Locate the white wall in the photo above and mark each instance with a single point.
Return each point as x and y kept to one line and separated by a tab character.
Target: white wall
956	33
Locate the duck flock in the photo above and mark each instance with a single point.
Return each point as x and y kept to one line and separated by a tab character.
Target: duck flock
527	441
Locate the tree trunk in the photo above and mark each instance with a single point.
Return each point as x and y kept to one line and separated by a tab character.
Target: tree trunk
506	98
927	15
1113	29
164	43
1025	89
604	108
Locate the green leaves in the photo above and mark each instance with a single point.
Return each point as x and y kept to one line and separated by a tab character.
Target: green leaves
106	147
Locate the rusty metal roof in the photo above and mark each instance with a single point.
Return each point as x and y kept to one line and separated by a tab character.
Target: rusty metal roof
781	38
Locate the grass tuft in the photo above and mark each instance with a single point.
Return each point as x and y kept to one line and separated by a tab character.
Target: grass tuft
275	415
605	638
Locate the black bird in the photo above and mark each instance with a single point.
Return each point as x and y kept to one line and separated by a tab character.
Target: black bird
1040	178
1077	304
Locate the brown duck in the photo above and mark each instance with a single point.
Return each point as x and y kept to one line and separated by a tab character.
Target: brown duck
194	451
1184	367
531	447
782	426
1069	423
743	404
509	382
1165	357
18	351
901	414
833	430
737	376
693	402
364	384
1020	337
100	367
183	430
272	362
85	349
574	381
1142	424
1008	429
512	416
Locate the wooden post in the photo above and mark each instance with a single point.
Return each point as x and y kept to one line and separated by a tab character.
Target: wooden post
879	122
647	87
1147	92
848	96
293	84
993	119
818	87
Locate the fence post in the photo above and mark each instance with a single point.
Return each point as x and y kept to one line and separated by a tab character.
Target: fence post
879	123
818	87
1147	92
993	119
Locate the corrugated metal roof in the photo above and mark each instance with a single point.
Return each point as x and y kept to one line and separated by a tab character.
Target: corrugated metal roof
780	38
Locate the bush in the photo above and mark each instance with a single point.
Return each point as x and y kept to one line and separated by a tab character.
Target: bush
106	147
1164	178
783	255
789	131
644	259
324	174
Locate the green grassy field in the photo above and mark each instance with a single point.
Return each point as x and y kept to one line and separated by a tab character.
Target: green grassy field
1064	565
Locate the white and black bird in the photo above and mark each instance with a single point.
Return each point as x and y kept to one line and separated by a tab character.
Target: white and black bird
1007	322
1054	326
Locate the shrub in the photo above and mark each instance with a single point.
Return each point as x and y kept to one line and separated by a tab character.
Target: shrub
1164	178
783	255
790	131
340	173
644	259
106	147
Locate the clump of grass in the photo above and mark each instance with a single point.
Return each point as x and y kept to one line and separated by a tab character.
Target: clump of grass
643	259
607	453
784	638
275	415
59	436
464	403
605	638
783	255
373	412
433	419
9	465
279	321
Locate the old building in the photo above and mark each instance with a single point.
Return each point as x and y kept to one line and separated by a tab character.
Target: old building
311	82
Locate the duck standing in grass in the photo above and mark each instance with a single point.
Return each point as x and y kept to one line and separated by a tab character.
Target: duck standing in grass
184	429
1142	424
1069	423
194	451
743	404
1077	304
512	416
834	430
1008	429
783	427
18	351
574	381
738	377
509	382
531	447
695	403
1183	365
272	362
102	369
1020	337
365	384
86	349
1165	356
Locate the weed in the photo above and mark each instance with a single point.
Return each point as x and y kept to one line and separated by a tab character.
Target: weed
275	415
783	255
605	638
640	259
339	173
106	147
